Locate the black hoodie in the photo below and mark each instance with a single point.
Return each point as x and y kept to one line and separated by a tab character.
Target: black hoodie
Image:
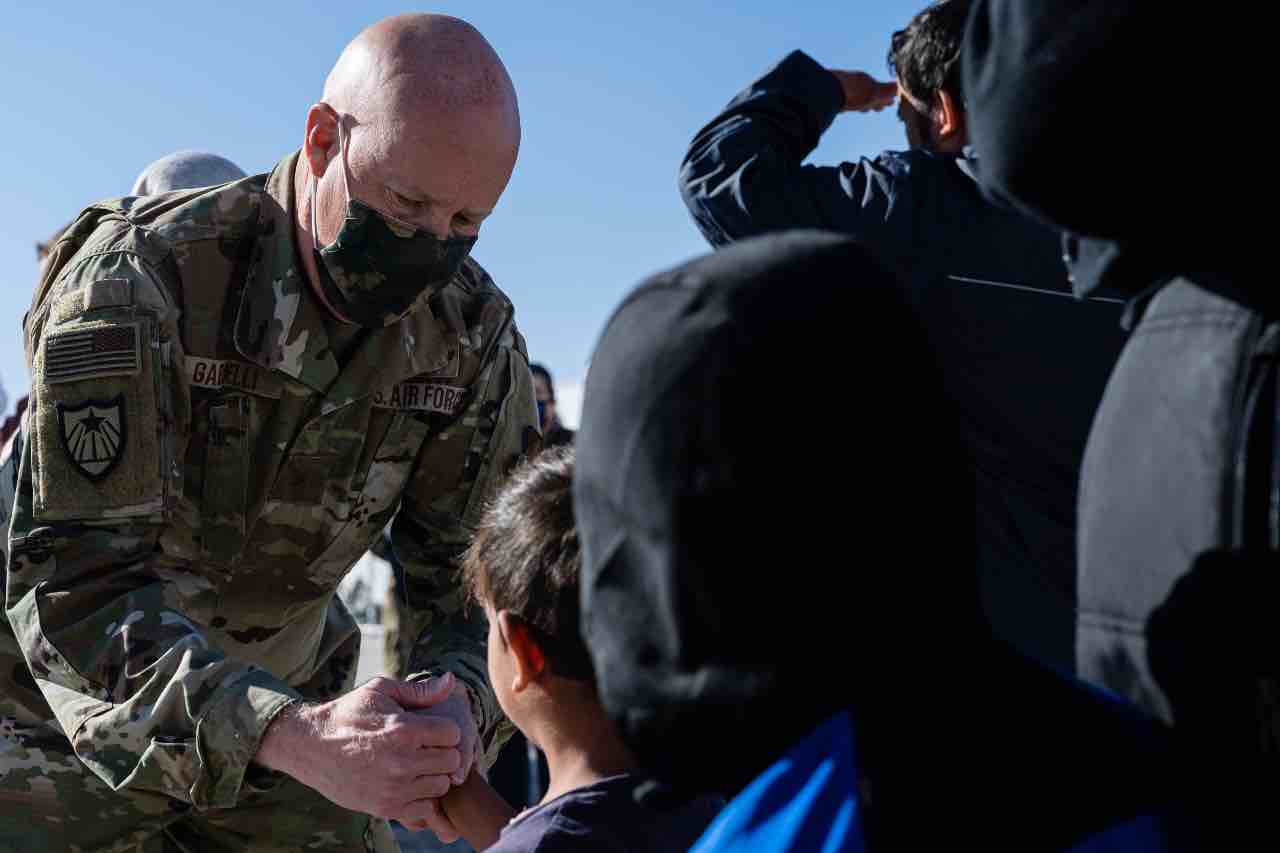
1140	126
1127	123
741	582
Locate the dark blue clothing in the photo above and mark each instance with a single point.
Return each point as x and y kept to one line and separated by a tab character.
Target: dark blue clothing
1023	360
1180	484
1020	795
606	816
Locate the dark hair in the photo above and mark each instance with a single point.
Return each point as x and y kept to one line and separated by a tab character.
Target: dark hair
525	559
538	370
925	57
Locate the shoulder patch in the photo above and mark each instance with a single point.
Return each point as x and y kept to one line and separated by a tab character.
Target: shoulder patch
106	350
99	395
93	435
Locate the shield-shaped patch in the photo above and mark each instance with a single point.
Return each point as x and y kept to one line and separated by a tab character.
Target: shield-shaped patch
93	434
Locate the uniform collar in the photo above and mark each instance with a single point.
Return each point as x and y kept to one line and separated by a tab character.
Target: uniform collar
280	323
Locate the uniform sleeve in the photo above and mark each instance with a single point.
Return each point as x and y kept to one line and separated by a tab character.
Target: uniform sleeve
105	622
455	474
744	174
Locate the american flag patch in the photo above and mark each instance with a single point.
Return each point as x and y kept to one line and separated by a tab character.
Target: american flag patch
86	353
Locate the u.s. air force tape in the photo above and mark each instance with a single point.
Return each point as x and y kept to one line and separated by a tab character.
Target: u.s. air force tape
421	397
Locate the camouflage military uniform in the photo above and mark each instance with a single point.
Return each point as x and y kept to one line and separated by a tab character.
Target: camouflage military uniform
197	475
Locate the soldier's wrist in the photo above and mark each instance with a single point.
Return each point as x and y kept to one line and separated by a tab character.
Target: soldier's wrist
285	737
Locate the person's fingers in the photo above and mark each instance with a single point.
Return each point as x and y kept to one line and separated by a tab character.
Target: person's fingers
427	814
469	753
415	731
391	796
880	96
412	695
424	761
426	787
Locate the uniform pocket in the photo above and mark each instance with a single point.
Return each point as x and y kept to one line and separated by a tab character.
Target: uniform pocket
383	480
224	496
382	474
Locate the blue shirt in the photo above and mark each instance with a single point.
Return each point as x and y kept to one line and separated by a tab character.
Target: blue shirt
808	800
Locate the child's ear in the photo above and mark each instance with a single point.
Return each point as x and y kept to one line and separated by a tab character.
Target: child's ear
530	663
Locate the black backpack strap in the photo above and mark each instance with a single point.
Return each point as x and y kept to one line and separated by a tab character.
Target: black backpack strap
1255	526
1254	492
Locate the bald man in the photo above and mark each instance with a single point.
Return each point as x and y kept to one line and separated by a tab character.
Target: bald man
235	389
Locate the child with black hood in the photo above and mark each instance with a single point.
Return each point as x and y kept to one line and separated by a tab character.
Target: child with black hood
760	604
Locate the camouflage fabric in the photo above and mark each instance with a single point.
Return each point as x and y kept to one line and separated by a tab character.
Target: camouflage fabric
50	801
198	474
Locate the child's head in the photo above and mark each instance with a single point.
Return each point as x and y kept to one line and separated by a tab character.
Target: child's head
725	559
522	567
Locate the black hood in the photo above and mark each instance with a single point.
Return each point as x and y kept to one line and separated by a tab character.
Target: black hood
771	501
1122	122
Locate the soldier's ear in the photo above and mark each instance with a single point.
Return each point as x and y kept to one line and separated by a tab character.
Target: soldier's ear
321	142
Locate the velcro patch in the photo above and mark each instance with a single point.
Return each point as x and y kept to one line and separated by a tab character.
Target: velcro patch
92	352
108	293
421	397
94	434
216	374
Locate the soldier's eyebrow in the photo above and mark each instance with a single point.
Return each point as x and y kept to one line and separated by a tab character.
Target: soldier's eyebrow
470	212
431	201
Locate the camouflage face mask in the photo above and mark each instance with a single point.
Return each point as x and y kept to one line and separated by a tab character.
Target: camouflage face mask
378	266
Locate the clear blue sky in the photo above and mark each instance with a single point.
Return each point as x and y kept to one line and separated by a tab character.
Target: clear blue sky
610	94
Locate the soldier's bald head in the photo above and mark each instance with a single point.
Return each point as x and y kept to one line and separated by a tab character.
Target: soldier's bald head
423	67
427	117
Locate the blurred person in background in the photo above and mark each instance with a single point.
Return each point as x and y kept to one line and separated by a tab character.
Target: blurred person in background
554	433
184	170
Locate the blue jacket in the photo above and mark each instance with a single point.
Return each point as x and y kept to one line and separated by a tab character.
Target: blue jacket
1025	361
1095	776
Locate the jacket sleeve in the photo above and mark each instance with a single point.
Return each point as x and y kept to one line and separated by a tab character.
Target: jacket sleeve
744	173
